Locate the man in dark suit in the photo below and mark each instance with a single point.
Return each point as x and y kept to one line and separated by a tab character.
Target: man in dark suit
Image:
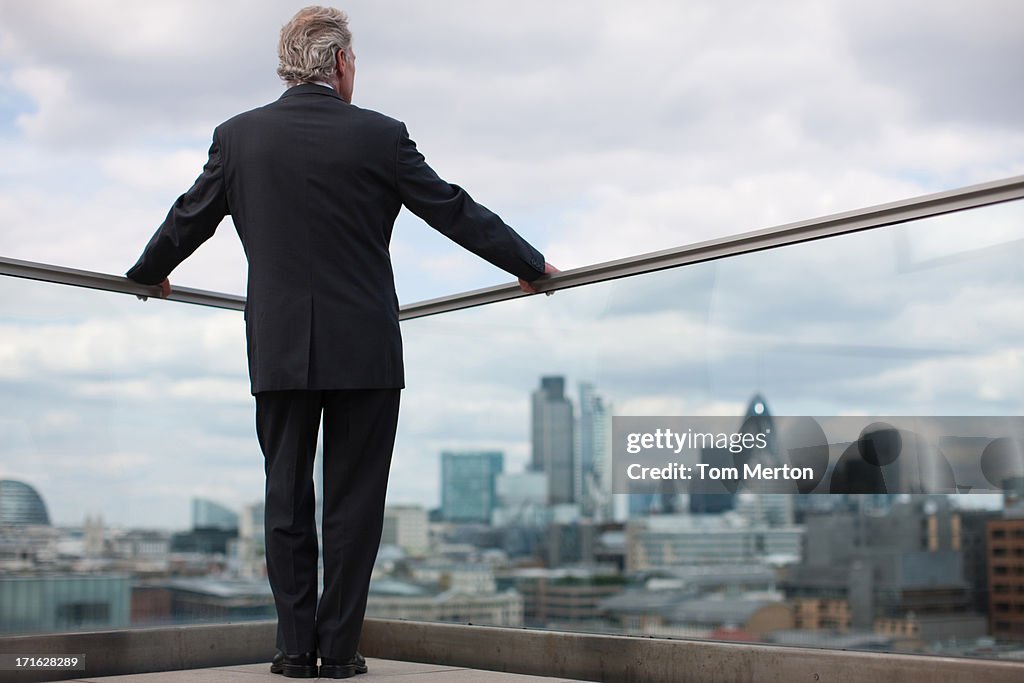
313	185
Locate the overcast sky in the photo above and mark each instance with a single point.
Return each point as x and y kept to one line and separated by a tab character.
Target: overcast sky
598	130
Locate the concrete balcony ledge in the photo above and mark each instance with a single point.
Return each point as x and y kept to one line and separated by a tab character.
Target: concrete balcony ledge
576	656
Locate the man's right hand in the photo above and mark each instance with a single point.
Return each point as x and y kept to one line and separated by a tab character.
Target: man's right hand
165	291
528	286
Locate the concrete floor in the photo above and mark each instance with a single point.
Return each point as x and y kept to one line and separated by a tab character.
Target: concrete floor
382	670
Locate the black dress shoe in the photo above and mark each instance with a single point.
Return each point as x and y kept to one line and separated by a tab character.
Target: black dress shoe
294	666
337	668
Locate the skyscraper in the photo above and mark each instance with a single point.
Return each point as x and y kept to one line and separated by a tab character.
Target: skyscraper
553	439
593	469
715	497
468	485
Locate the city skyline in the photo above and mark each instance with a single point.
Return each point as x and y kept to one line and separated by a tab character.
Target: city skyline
131	479
148	402
712	121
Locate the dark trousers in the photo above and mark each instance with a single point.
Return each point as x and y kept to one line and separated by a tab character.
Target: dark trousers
359	435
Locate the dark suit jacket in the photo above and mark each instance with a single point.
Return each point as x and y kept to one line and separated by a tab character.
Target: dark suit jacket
313	185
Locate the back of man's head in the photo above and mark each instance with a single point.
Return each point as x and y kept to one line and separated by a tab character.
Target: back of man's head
309	43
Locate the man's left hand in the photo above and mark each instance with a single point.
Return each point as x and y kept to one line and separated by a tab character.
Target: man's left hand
528	286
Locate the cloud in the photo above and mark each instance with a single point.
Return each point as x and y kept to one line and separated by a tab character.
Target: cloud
672	122
182	341
655	344
598	130
949	64
979	384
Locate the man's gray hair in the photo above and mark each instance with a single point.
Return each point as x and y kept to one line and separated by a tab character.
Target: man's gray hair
309	43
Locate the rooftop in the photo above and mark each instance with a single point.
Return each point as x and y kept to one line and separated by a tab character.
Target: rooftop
400	649
382	670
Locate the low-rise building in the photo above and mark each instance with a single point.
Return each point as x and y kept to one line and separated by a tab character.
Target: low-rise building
1006	577
406	527
393	599
565	595
672	540
52	603
677	615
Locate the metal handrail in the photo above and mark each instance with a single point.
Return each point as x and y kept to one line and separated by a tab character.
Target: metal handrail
115	283
879	216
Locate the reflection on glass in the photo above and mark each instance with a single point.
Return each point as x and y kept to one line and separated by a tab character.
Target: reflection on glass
920	319
130	481
132	478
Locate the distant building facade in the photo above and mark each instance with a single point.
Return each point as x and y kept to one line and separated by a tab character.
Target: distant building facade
680	616
468	482
522	500
864	570
552	439
208	514
21	505
199	599
670	540
406	527
53	603
561	596
393	599
1006	577
592	472
251	546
